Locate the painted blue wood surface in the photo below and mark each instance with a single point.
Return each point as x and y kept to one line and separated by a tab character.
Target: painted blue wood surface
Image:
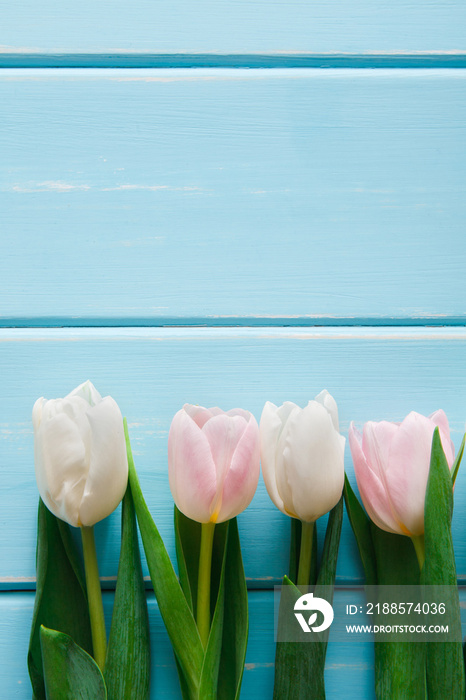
348	668
348	665
227	197
166	196
374	374
233	26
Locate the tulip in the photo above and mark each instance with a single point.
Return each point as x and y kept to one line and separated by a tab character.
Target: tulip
391	462
82	474
213	470
213	462
80	455
302	454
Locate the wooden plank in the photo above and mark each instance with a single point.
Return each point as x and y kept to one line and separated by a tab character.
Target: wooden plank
374	374
348	664
247	26
153	197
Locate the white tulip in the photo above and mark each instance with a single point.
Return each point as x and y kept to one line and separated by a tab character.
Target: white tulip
302	456
80	455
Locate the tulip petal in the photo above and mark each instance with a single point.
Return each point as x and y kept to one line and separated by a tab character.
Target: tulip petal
191	469
439	418
61	463
37	412
88	392
270	428
329	403
408	471
370	486
108	465
199	414
223	434
288	413
376	443
239	412
313	458
242	477
285	410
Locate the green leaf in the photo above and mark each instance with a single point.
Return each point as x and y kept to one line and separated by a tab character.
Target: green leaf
176	613
70	673
389	560
400	669
328	568
361	526
399	666
218	562
127	666
185	694
188	546
299	665
445	668
60	601
457	462
396	559
227	566
235	622
295	548
210	668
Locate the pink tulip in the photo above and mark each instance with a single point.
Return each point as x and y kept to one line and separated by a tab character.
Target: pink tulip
213	462
391	461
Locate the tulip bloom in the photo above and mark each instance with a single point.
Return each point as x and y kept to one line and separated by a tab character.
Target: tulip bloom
80	455
302	457
213	469
391	462
82	474
213	462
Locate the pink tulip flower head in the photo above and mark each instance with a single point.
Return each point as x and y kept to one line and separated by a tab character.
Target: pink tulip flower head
213	462
391	462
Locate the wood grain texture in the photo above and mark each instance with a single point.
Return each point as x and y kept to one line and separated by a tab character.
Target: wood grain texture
233	26
373	374
348	665
163	196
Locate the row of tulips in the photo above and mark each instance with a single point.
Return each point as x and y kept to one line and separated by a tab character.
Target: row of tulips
83	459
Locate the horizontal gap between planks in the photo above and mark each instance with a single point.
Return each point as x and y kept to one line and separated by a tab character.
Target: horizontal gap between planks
215	60
109	584
231	321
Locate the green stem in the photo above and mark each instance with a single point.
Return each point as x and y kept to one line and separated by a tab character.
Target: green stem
203	583
94	596
419	547
305	554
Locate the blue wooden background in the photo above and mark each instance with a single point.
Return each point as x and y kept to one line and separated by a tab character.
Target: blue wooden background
226	202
